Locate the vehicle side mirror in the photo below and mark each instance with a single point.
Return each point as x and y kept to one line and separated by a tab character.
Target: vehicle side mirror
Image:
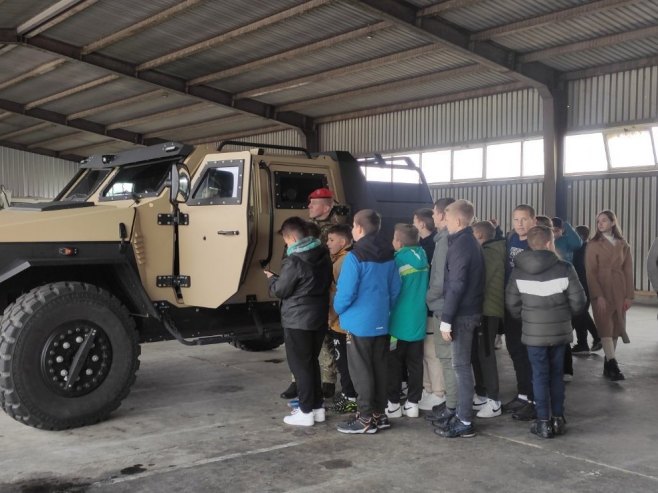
179	190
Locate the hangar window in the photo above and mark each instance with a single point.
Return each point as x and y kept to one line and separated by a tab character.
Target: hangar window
467	163
585	153
436	166
630	148
504	160
533	157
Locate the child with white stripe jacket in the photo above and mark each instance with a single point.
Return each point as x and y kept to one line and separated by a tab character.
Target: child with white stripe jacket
545	293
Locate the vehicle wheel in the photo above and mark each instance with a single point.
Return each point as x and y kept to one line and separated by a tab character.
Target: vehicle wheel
59	332
256	345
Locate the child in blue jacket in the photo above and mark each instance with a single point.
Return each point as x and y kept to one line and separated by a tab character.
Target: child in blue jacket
368	286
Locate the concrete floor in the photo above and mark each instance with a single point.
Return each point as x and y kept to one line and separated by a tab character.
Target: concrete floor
210	420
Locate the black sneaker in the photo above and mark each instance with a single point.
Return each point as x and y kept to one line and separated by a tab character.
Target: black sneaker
596	346
436	412
559	425
514	405
614	373
358	425
328	390
457	429
542	428
526	413
381	421
442	421
580	349
290	392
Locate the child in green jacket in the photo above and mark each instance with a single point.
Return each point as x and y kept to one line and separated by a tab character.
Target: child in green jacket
408	322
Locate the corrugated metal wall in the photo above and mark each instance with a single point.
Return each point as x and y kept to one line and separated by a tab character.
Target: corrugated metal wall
290	137
632	198
507	115
32	175
614	99
495	200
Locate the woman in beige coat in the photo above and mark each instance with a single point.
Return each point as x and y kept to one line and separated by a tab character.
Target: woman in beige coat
609	267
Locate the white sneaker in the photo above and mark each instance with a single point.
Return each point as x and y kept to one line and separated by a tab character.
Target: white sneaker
298	418
429	400
410	409
319	415
478	402
393	410
490	409
498	343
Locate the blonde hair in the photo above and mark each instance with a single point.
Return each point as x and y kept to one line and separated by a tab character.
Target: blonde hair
464	209
539	236
407	234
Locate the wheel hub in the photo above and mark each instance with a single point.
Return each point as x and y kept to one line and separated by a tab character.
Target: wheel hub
58	358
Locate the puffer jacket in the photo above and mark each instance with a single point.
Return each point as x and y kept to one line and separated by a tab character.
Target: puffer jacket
368	286
303	286
409	316
545	293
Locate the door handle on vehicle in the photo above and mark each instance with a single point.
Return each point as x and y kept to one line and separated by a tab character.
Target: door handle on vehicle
228	233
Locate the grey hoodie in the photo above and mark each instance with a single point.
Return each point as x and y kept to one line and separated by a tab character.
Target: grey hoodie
434	296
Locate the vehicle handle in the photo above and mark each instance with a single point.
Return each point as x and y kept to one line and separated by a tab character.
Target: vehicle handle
228	233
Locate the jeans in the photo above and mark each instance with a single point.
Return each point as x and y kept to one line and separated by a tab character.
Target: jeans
547	369
302	350
462	344
444	354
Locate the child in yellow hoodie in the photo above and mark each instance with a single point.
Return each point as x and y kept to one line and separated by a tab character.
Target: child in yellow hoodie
339	242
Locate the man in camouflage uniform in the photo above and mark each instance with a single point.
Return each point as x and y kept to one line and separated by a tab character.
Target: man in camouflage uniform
321	211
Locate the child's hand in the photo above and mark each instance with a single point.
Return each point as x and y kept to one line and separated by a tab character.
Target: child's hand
268	273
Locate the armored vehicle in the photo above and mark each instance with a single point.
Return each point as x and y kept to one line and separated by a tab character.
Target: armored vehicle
156	243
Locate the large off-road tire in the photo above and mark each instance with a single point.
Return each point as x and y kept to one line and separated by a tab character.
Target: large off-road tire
257	345
41	334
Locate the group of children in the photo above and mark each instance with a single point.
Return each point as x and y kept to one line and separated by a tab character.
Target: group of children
427	308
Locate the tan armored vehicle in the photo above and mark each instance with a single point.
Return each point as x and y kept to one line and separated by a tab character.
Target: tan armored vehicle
157	243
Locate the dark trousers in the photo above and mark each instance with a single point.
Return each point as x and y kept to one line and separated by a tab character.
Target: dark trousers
519	354
483	358
568	360
340	353
462	346
303	348
410	354
367	359
583	324
547	364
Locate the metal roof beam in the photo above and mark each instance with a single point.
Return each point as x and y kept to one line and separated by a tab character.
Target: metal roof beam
200	125
590	44
339	72
181	110
147	23
649	61
159	79
52	16
418	103
117	104
446	5
71	91
289	54
44	152
552	17
236	135
491	55
80	124
38	71
25	130
240	31
386	86
5	114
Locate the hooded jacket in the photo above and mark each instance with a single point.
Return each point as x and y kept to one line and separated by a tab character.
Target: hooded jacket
368	286
434	296
303	286
409	316
568	243
494	288
463	287
338	259
545	293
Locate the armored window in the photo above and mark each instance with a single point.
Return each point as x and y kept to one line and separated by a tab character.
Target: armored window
292	189
87	184
221	184
142	180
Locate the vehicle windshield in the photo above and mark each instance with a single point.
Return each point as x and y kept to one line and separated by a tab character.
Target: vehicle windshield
141	180
86	185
